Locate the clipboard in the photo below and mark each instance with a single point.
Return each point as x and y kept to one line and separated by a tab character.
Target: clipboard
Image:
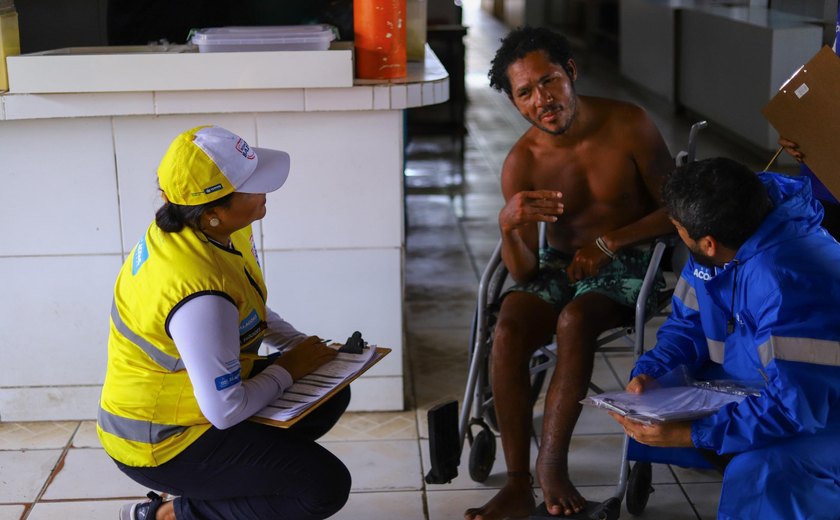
806	110
381	352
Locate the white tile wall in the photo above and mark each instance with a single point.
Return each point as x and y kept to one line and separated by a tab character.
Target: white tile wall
414	95
38	106
399	97
56	403
370	393
345	185
59	180
54	318
356	98
427	93
332	293
381	97
216	101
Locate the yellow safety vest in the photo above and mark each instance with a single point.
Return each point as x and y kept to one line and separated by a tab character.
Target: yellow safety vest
148	412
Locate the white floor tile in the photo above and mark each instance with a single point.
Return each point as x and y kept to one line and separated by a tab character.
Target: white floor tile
36	435
451	504
667	501
705	498
86	436
383	506
380	465
24	473
90	473
93	510
13	512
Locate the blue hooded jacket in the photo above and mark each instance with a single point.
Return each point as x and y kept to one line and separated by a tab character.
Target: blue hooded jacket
769	318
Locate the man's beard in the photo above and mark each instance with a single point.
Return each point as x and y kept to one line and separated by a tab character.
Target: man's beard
702	258
570	110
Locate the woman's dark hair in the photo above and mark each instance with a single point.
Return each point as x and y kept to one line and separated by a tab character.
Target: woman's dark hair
173	217
718	197
522	41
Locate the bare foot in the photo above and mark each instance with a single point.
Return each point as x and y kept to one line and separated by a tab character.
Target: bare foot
560	495
515	499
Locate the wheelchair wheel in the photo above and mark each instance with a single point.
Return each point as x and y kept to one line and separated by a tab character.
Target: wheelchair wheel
638	488
482	455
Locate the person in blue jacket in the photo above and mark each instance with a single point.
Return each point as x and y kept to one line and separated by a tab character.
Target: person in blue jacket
758	301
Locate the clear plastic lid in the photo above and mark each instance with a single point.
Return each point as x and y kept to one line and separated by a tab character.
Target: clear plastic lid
265	35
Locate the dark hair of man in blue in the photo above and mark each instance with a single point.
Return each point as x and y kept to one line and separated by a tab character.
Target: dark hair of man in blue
717	197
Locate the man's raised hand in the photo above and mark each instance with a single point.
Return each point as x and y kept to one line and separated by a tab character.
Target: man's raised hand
528	207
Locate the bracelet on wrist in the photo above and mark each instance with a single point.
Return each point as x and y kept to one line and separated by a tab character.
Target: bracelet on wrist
604	248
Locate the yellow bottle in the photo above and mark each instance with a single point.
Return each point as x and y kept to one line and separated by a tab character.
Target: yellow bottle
9	38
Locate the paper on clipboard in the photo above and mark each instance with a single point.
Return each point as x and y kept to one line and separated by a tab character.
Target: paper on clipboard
806	110
311	391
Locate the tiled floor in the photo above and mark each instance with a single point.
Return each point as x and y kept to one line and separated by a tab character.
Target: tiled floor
58	470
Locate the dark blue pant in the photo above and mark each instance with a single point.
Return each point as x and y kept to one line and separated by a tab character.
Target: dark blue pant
254	471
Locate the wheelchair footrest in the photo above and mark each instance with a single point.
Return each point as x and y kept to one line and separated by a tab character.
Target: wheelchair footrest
444	443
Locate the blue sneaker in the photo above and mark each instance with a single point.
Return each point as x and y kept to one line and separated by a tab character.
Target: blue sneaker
142	510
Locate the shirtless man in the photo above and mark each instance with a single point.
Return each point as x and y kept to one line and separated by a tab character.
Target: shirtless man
592	169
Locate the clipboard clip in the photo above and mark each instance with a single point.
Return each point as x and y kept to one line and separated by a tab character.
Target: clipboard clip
354	344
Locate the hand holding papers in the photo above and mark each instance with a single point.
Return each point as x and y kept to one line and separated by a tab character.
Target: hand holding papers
679	403
677	398
313	389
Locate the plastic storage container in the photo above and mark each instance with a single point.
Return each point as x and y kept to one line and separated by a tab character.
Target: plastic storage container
265	38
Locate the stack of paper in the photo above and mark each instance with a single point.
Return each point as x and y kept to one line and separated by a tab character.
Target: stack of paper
316	387
680	403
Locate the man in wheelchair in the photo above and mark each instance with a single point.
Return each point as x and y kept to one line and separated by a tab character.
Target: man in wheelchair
591	169
758	300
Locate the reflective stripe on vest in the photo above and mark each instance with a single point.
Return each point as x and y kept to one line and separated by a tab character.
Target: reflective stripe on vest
686	294
161	358
136	430
804	350
716	350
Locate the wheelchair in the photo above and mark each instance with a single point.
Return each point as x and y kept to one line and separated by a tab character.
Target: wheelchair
478	412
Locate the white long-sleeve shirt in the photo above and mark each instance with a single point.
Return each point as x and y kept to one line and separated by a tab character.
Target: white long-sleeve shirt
206	332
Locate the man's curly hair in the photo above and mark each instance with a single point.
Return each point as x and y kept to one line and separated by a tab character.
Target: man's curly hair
522	41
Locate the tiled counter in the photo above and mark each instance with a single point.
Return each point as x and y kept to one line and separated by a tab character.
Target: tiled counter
79	188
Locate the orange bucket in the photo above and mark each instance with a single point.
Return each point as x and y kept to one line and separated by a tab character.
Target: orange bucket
380	38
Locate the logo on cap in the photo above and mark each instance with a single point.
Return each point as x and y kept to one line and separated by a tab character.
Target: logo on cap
244	149
211	189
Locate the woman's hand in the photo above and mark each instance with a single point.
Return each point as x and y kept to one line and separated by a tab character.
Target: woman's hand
306	357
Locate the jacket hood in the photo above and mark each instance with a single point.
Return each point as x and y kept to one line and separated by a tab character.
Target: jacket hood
795	213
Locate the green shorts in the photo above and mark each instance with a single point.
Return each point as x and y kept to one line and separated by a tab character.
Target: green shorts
620	280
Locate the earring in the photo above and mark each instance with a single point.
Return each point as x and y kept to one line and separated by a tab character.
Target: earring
214	222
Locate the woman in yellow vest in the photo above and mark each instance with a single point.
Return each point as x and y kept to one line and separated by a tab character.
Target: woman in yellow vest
184	373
